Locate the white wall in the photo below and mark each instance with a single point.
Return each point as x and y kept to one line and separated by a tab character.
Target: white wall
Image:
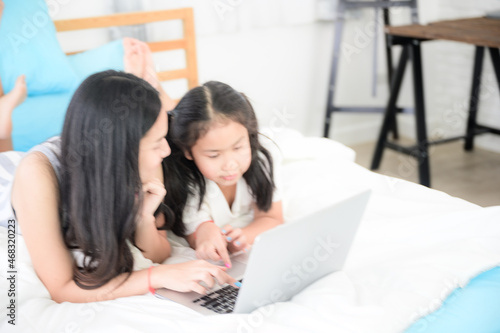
447	76
278	53
68	9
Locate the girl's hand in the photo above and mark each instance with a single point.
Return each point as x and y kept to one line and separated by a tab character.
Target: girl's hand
210	244
154	192
187	276
235	238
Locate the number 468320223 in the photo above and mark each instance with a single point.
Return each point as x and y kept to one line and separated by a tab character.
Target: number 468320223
11	244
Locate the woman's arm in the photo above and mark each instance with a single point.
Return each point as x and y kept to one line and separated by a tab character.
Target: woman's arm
153	242
36	201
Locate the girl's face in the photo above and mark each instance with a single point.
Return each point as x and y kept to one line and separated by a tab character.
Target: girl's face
153	148
223	154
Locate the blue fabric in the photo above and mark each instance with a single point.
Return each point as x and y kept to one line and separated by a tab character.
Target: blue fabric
28	45
474	308
108	56
39	118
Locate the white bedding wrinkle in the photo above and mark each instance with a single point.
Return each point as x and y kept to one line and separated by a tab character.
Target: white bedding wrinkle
414	246
8	161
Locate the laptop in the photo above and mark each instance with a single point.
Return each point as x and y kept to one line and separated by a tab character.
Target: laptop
283	261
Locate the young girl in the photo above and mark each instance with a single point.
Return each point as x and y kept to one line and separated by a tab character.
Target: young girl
95	191
231	194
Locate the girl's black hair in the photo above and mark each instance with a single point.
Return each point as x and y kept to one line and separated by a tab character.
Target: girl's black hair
107	117
199	109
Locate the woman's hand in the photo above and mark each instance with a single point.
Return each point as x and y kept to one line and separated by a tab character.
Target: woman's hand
236	239
211	244
152	242
154	192
188	276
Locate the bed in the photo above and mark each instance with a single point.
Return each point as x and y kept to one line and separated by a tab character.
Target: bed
415	247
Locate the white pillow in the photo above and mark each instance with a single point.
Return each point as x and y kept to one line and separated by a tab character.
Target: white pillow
295	146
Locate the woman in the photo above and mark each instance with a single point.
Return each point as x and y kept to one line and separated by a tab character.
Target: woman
97	198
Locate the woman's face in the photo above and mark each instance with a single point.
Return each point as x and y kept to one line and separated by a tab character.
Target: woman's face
153	148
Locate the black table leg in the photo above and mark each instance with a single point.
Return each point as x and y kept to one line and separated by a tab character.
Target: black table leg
474	97
342	7
339	27
418	88
390	113
390	69
495	58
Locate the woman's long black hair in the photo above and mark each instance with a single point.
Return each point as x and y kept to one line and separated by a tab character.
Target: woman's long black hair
107	117
190	120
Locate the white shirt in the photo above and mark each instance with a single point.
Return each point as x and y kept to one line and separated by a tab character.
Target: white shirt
215	207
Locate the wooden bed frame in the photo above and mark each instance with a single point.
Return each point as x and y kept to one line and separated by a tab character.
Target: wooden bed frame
190	73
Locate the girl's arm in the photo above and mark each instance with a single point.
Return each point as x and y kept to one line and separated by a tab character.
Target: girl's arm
209	243
239	239
264	221
35	197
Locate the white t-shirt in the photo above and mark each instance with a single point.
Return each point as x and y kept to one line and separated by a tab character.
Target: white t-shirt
215	207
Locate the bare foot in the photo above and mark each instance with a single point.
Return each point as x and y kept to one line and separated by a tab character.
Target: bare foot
149	68
151	76
138	60
8	103
133	59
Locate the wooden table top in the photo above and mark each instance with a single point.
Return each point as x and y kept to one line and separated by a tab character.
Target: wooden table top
479	31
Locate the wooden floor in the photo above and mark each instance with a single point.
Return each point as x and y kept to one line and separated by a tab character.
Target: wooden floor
474	176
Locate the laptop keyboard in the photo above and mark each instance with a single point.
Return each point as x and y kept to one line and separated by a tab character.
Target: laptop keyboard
221	300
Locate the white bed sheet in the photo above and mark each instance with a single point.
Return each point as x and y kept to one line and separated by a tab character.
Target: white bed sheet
414	246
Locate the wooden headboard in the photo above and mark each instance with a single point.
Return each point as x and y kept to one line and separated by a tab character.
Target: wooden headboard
187	43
